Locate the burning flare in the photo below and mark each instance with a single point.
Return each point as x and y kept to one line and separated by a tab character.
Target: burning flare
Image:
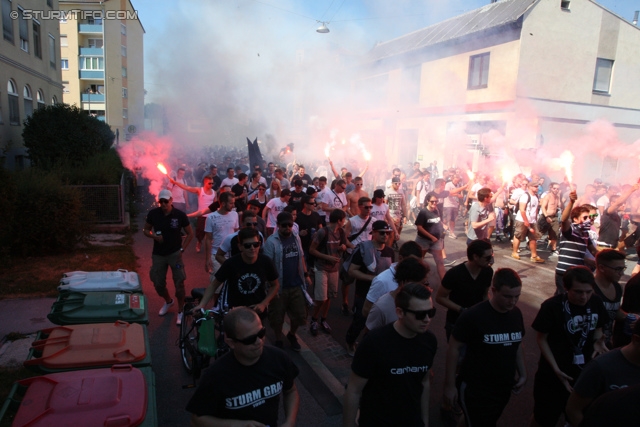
470	174
566	160
162	169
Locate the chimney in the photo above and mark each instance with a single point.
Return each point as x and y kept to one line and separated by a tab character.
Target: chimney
635	17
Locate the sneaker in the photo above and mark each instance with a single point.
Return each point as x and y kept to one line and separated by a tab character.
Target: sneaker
345	309
279	344
325	326
515	255
554	254
448	263
179	319
198	244
313	327
351	349
452	236
295	345
537	259
165	308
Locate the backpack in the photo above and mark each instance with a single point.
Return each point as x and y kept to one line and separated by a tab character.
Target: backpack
517	206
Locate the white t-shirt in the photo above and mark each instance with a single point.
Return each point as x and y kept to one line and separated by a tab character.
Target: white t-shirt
334	200
382	313
275	206
451	201
321	196
604	202
356	225
229	181
177	193
379	213
531	209
220	226
474	190
204	200
424	187
383	283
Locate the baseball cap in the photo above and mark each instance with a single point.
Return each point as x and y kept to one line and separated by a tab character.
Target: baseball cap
164	194
380	225
378	193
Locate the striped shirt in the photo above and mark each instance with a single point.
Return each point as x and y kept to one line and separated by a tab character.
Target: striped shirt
571	249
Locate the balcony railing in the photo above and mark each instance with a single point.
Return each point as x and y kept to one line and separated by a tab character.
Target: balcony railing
90	28
93	97
92	74
91	51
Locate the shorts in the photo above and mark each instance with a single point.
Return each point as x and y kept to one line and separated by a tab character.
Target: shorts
200	223
289	301
482	406
429	245
326	285
521	231
549	398
554	228
449	214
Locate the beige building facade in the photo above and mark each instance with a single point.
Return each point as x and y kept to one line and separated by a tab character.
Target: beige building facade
523	73
29	71
102	54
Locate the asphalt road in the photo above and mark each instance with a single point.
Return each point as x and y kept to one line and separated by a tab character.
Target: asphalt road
323	362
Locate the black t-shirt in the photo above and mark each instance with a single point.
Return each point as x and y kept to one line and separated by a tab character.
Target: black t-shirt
441	196
552	320
311	224
465	290
630	304
394	367
246	283
492	340
385	257
306	179
431	222
171	228
296	199
240	203
230	390
610	228
607	372
612	307
217	182
616	408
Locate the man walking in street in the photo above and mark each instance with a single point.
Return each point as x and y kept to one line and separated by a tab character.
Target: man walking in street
481	215
274	208
244	386
492	332
285	250
389	381
526	223
549	206
165	225
219	225
206	196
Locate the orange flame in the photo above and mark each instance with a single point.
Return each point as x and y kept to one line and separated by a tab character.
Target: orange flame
470	174
566	160
367	155
162	169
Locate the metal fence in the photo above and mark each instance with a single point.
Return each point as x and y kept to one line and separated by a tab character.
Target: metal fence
104	202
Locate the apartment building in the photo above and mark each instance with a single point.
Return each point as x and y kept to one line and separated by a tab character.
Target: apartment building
29	71
101	57
532	72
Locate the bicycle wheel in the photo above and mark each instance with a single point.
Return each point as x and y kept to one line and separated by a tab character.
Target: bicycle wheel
189	339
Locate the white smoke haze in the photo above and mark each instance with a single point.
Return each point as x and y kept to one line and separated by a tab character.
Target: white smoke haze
241	68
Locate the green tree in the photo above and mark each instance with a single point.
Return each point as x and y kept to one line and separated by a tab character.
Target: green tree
64	133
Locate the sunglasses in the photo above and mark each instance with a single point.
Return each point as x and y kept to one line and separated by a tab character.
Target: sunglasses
286	224
421	314
251	339
382	232
312	204
367	207
593	216
163	201
619	270
251	245
433	201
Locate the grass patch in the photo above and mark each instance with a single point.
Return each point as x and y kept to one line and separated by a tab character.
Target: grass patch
7	377
39	276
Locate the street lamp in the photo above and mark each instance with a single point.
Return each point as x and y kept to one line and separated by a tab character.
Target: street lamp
322	28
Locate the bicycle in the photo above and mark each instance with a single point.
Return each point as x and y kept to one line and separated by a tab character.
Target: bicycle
195	356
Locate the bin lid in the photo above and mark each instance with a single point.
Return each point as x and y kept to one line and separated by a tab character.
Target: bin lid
115	396
83	281
98	307
82	346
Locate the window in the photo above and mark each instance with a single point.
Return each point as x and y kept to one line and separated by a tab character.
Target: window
65	87
54	100
125	92
602	77
37	42
123	50
564	4
28	101
14	110
125	113
40	98
64	64
64	42
7	22
94	20
95	43
123	29
124	71
478	71
91	63
24	30
52	51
